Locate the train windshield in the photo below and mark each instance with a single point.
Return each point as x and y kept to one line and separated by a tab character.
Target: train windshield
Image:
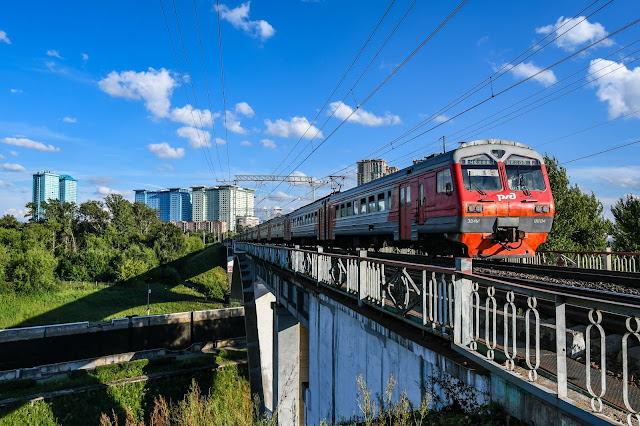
524	174
480	173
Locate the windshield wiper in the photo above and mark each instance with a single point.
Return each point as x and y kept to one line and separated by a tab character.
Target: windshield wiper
477	188
523	185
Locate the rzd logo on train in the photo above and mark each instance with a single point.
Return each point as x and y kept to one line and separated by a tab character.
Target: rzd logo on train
511	196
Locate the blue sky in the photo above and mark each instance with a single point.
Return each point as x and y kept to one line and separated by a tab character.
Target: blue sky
92	89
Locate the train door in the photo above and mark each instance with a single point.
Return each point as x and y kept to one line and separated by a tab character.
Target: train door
404	212
322	221
421	201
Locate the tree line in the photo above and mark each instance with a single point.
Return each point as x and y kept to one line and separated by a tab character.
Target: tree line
110	240
580	224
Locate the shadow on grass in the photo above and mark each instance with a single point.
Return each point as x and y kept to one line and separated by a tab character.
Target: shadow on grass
132	293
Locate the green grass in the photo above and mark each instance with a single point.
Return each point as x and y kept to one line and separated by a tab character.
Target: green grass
94	304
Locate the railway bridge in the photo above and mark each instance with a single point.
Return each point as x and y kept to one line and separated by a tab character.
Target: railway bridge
317	323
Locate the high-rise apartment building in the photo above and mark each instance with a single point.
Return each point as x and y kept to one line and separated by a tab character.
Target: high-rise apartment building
68	189
369	170
222	203
173	205
50	186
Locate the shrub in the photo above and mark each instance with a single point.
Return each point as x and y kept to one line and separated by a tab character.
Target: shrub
214	282
17	384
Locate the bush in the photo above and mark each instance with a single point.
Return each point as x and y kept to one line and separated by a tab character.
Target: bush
78	374
214	282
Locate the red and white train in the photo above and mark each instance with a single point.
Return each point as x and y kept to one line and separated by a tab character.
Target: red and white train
486	198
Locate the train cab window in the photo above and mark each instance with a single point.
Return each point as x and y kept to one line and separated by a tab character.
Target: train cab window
381	202
355	207
372	204
480	173
443	179
349	209
407	201
388	200
524	174
363	205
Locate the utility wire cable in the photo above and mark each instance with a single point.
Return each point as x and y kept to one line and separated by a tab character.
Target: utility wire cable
413	53
206	82
224	98
602	152
337	86
186	93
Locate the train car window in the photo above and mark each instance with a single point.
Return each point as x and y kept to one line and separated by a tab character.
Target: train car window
349	209
355	207
480	173
388	200
408	199
381	202
442	179
363	205
401	197
420	200
342	211
524	174
372	204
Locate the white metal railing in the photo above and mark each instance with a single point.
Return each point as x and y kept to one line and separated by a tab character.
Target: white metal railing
499	321
604	260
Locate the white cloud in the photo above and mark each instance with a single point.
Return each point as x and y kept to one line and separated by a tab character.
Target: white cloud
5	183
15	91
13	167
366	118
197	138
268	143
233	124
54	53
14	153
615	176
188	115
165	167
239	18
295	127
584	32
101	180
69	119
85	57
2	157
103	190
621	88
164	150
280	196
154	87
220	141
244	109
440	118
17	213
4	38
28	143
245	143
527	69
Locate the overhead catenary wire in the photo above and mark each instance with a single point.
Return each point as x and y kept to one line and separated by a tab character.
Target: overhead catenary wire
602	152
337	86
186	93
413	53
224	97
206	82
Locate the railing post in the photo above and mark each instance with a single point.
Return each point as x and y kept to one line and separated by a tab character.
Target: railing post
319	264
296	259
462	293
606	259
362	275
561	346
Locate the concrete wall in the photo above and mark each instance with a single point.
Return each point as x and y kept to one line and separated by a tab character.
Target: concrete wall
33	346
344	344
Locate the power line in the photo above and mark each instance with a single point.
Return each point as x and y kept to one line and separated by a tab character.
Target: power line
602	152
186	93
413	53
206	82
337	86
224	98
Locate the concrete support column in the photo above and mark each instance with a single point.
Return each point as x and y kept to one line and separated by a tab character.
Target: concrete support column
462	324
287	368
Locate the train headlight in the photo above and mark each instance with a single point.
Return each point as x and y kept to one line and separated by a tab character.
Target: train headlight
474	208
542	208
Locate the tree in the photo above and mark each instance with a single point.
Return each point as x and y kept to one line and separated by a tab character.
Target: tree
93	217
33	270
122	224
579	223
130	269
168	241
144	217
626	228
9	222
